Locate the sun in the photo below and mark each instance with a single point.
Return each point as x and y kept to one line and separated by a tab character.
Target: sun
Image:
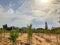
44	1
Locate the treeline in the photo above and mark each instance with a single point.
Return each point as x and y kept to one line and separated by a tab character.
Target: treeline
37	30
57	31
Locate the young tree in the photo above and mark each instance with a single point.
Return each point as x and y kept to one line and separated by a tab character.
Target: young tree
13	37
30	33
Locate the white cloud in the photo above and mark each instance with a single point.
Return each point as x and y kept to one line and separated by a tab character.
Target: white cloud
29	11
10	11
14	18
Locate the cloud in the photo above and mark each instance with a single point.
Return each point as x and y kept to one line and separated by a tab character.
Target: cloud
14	18
29	11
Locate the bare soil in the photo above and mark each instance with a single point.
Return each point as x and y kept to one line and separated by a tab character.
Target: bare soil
37	39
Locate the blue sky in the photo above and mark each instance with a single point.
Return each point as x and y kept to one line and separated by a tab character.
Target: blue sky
21	13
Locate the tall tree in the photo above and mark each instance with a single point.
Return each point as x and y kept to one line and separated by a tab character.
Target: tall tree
46	26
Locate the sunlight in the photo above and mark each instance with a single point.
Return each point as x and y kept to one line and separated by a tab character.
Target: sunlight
43	1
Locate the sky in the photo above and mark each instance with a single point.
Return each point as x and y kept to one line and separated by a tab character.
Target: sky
21	13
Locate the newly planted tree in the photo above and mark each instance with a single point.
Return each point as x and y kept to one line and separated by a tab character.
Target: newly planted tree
30	34
13	37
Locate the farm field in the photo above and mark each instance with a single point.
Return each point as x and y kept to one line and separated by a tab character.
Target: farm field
37	39
29	22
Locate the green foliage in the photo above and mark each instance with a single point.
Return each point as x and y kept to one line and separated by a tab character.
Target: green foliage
47	31
44	31
20	30
13	35
30	30
30	33
57	31
3	31
0	31
40	31
5	26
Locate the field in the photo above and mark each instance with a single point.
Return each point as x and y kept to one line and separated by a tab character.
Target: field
37	39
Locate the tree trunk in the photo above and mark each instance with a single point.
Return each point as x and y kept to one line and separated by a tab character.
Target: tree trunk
14	43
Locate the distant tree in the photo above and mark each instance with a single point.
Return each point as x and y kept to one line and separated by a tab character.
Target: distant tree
4	29
9	28
5	26
46	26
